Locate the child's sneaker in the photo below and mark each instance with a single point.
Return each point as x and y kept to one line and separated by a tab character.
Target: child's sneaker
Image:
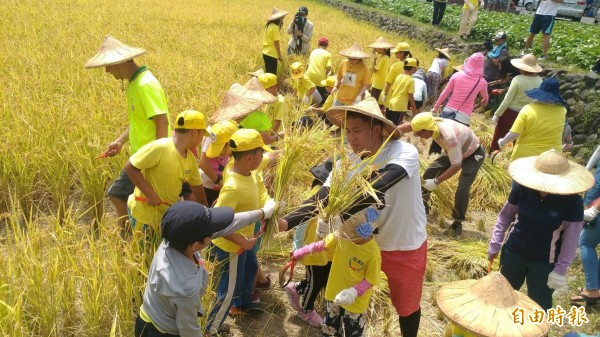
255	297
264	286
293	295
312	317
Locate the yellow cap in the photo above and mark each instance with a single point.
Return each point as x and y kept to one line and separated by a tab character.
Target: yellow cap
402	46
220	134
329	82
246	140
424	121
410	62
296	70
267	80
191	119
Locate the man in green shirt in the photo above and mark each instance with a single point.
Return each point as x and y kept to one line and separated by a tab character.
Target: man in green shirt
146	107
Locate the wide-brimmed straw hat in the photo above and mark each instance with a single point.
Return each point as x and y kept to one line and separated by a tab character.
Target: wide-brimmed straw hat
444	51
368	107
484	307
355	52
257	72
551	172
254	90
113	51
381	43
277	14
348	229
527	63
235	107
548	92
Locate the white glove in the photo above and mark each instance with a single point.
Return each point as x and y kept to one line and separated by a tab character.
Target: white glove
270	207
495	120
590	214
306	100
323	227
430	184
346	296
556	281
471	7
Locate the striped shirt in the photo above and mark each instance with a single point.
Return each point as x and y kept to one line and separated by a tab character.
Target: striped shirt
457	140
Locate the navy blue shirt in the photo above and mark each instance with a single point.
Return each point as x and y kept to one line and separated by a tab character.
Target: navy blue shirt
537	234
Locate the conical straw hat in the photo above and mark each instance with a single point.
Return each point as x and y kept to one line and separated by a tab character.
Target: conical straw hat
368	107
254	90
381	43
551	172
235	107
444	51
113	51
355	52
256	73
527	63
484	307
276	14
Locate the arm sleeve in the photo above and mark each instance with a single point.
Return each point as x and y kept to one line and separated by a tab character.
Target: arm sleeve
362	286
568	246
240	220
307	35
483	91
153	100
506	216
508	98
186	316
593	159
447	90
308	208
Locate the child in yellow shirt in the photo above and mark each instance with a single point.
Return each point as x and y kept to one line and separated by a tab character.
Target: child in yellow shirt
301	84
354	271
402	93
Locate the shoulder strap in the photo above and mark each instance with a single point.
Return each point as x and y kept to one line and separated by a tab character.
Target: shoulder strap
469	95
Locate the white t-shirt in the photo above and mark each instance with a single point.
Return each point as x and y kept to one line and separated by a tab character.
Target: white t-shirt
420	93
548	7
437	65
402	221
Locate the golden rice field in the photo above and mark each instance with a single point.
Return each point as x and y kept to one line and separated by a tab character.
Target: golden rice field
65	270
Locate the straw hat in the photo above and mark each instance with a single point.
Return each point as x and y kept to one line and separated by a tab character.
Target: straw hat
527	63
348	228
458	67
256	73
484	307
381	43
277	14
113	51
235	107
355	52
368	107
444	51
254	90
551	172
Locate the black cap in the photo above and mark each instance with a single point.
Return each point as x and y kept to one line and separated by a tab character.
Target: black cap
187	222
303	10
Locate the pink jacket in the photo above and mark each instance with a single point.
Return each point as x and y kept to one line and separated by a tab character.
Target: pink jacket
462	83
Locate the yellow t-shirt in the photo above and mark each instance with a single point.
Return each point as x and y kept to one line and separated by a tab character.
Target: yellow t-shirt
475	3
165	170
398	95
145	99
318	62
395	69
351	264
381	70
354	77
540	127
302	86
242	193
276	110
271	35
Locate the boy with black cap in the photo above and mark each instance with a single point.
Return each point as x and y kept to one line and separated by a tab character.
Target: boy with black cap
243	190
159	169
177	277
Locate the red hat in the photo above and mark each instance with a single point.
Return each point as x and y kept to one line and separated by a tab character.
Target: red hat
323	41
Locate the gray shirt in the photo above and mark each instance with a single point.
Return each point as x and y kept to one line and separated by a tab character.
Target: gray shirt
491	70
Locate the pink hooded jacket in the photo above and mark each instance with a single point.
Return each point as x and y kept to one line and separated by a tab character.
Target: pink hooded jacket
462	83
